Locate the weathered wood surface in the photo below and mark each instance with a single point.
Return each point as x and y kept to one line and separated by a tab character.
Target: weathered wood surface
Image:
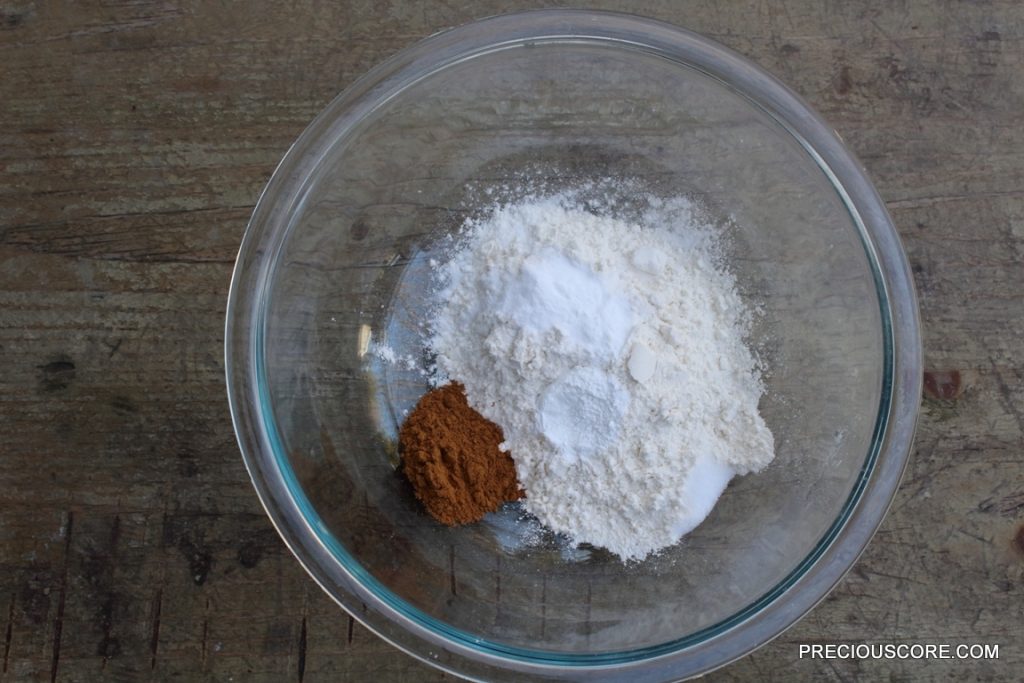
134	139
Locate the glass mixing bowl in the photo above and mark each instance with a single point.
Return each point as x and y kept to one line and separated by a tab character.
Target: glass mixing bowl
335	256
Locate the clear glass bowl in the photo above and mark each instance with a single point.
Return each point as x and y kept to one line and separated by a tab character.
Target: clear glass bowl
334	256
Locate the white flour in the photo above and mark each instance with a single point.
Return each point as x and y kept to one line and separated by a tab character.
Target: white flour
612	356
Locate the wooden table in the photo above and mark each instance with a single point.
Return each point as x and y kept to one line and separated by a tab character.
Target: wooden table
135	138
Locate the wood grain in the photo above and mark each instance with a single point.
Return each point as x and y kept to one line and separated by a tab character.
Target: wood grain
135	138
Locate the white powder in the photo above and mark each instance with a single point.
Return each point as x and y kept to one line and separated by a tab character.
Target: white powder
551	292
387	354
612	356
581	412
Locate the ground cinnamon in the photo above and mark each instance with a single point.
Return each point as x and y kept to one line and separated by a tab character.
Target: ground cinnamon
450	455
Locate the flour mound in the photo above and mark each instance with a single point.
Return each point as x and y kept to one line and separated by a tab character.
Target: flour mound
611	353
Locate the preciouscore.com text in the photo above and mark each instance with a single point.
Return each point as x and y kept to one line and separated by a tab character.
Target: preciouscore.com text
898	651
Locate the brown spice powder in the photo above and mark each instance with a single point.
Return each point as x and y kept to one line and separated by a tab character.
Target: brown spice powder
450	455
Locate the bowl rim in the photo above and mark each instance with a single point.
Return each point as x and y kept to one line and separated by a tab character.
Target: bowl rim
462	653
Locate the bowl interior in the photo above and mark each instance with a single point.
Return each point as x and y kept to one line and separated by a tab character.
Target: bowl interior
353	268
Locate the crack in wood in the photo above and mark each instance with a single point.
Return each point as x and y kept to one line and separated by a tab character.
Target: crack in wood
114	347
302	650
206	634
106	649
1006	396
10	632
58	622
154	642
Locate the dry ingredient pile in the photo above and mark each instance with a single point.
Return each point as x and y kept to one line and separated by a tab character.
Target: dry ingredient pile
611	355
451	455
